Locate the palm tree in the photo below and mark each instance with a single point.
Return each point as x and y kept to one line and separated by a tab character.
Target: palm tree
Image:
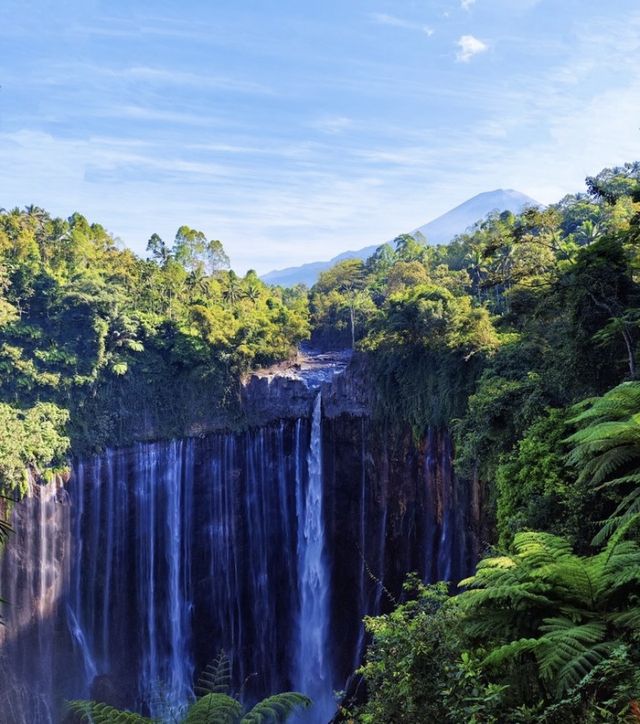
253	292
198	283
606	450
567	611
588	232
233	292
476	266
213	705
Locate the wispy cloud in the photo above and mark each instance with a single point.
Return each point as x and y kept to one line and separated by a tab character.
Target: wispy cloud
165	76
395	22
466	4
468	46
332	125
175	127
144	113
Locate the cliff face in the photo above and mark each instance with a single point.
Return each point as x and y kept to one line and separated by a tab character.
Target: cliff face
156	556
34	578
288	392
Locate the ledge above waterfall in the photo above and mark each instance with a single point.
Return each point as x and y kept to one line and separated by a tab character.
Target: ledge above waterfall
287	390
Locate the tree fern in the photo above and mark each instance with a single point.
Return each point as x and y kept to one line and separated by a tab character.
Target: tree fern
216	676
214	708
568	651
95	712
214	705
276	708
566	611
606	449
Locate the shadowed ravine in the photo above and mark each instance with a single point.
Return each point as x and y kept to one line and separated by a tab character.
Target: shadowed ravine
271	544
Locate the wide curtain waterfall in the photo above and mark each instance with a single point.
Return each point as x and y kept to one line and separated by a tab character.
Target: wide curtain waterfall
270	544
187	548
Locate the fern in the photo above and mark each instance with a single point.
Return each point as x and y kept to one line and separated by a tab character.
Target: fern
214	708
567	611
276	708
512	650
5	530
568	651
94	712
216	677
606	450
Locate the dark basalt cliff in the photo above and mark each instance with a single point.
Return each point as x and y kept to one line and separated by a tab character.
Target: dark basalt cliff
288	391
155	556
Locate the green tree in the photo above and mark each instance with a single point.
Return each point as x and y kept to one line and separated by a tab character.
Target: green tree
190	248
216	257
536	490
158	249
606	451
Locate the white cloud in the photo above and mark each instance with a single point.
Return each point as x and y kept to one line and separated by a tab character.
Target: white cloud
143	113
395	22
468	46
332	124
163	75
466	4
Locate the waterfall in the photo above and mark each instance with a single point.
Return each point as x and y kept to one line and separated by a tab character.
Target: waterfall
271	544
164	510
362	543
313	670
34	576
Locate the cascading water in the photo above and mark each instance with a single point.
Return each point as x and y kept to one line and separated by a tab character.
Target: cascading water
271	544
34	576
313	671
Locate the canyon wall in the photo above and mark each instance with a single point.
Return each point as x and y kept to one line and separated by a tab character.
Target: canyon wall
124	583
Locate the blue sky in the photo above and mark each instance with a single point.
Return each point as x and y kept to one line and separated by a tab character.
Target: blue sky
295	129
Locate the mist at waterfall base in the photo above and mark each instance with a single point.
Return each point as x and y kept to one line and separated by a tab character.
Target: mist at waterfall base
123	584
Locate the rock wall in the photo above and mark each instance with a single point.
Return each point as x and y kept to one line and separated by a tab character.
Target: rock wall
128	581
34	579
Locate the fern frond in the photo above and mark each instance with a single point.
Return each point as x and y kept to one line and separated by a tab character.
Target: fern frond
627	619
568	651
512	650
609	527
5	530
514	594
631	521
572	575
94	712
216	676
539	547
598	464
582	663
214	709
633	479
622	519
621	401
276	708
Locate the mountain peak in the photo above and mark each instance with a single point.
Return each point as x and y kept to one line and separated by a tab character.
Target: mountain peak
460	218
439	231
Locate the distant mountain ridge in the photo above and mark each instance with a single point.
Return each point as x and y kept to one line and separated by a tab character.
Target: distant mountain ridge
439	231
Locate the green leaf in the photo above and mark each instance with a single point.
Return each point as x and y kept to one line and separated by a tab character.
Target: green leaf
214	709
94	712
276	708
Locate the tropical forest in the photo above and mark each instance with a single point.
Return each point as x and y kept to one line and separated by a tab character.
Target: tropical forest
398	487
